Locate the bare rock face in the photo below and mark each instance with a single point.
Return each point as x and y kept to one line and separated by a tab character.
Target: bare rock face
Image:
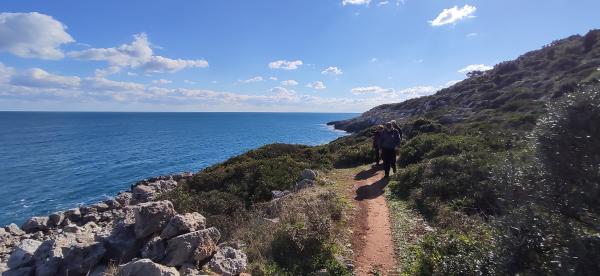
192	247
151	217
154	249
73	214
190	270
68	254
308	174
185	223
228	261
22	255
35	224
146	267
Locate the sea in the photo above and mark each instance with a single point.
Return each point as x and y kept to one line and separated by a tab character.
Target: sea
51	161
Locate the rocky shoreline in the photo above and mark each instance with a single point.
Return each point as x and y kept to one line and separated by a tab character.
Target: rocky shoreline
131	234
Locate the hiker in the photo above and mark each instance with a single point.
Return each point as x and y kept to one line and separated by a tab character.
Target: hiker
396	127
390	139
376	146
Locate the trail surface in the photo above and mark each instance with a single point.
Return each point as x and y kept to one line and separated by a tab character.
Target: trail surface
372	240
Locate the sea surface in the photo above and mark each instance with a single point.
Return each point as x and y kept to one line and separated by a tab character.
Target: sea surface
53	161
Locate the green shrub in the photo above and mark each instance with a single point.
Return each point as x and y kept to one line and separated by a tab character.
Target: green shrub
465	248
428	146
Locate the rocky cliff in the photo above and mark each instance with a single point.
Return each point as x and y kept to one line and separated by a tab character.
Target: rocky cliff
519	86
132	234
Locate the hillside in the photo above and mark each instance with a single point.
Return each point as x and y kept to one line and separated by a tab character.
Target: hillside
519	88
498	175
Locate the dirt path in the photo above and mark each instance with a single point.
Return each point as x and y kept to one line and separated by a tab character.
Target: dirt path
372	241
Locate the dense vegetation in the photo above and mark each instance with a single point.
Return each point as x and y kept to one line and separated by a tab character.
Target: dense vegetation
505	166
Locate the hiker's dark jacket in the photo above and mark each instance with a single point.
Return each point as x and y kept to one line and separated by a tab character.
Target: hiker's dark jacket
377	139
390	139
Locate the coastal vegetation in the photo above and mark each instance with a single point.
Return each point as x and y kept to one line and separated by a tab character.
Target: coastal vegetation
503	166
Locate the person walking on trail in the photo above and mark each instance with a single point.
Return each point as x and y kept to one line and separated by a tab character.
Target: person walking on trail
376	140
389	140
396	127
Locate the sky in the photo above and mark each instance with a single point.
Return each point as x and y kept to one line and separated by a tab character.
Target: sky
264	56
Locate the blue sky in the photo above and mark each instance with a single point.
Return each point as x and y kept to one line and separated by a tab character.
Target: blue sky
305	55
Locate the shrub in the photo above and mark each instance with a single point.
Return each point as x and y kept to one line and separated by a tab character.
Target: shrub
434	145
465	248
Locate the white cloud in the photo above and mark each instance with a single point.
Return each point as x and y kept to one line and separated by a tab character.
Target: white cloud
289	83
371	90
453	15
137	54
273	78
317	85
32	35
37	77
189	82
475	67
332	70
6	73
255	79
472	34
102	84
373	60
282	93
355	2
161	81
383	3
285	65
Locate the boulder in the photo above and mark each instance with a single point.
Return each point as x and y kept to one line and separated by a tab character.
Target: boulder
228	261
73	214
120	242
181	224
151	217
303	184
154	249
124	198
35	224
308	174
22	255
162	186
68	254
14	230
143	193
279	194
55	219
112	204
146	267
192	247
190	270
100	207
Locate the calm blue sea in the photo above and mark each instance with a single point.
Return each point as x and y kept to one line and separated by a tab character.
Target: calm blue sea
56	160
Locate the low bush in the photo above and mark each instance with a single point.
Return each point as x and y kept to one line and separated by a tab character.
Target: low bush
428	146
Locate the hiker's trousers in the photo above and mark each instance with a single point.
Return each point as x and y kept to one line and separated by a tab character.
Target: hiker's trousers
389	160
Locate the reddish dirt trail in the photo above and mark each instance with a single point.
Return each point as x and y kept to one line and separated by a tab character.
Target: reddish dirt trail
372	235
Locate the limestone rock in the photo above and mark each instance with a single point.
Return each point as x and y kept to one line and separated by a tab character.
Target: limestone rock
14	230
124	198
228	261
192	247
154	249
190	270
146	267
142	193
151	217
181	224
279	194
68	255
73	214
120	242
35	224
303	184
308	174
56	219
100	207
23	253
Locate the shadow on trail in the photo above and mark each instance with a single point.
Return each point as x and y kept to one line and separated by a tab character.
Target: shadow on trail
371	191
366	174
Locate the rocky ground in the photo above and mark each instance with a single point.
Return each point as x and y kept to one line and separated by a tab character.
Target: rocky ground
132	234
